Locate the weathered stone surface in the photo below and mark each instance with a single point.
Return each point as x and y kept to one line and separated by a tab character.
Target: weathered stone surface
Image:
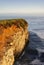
13	38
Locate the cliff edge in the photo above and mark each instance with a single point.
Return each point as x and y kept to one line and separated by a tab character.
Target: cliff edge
13	37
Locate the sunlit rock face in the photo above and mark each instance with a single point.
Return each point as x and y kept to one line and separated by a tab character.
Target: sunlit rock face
13	38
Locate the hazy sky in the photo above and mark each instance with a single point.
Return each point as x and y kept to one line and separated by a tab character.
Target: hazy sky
22	6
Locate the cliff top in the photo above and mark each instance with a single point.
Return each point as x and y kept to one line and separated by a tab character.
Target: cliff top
18	22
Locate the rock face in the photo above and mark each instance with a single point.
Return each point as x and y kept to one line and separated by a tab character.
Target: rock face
13	38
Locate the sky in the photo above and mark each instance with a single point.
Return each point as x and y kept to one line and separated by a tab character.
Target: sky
22	6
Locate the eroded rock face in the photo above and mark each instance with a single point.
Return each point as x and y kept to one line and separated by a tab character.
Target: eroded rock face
13	37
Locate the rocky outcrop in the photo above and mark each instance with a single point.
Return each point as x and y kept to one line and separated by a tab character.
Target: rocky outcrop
13	38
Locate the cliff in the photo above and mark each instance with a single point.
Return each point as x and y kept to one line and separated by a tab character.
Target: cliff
13	37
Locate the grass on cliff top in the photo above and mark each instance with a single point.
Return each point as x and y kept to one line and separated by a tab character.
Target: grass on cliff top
18	22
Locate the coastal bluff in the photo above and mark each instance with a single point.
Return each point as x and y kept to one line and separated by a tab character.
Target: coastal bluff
13	38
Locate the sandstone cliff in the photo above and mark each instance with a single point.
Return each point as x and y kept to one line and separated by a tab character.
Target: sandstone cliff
13	37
